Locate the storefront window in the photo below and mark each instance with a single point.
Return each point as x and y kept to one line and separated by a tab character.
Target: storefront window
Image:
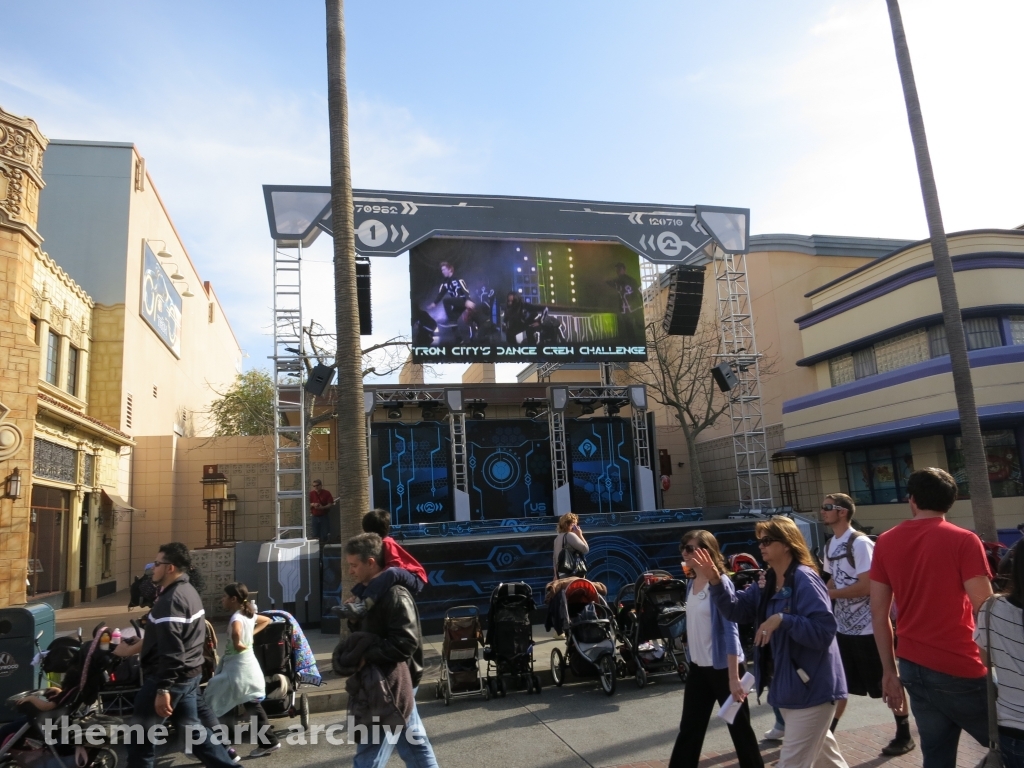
53	461
1003	456
879	475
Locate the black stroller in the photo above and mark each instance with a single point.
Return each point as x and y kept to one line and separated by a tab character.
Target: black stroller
86	671
275	650
509	641
652	627
589	628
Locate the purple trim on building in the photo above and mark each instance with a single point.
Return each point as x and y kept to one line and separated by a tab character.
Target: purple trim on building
930	424
907	247
908	276
979	358
919	322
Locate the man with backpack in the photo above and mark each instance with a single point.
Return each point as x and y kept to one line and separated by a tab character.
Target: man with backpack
847	565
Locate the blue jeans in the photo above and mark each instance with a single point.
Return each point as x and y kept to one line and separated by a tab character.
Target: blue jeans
780	721
321	528
184	700
944	705
1013	751
419	755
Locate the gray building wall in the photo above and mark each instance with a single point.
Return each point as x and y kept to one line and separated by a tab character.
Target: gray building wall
83	213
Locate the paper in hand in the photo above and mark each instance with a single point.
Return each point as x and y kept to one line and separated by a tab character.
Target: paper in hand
731	706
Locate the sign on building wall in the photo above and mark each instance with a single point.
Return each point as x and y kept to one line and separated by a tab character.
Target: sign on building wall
160	302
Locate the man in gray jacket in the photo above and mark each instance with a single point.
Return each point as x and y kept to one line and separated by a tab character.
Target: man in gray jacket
396	623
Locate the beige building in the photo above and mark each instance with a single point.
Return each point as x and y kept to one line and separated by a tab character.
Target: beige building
882	402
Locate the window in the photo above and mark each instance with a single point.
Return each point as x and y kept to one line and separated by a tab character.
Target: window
840	370
88	469
937	341
128	411
52	358
35	330
1016	329
864	363
155	390
72	370
1003	456
982	332
53	461
901	351
879	475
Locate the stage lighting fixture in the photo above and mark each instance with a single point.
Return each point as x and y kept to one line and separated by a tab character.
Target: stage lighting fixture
558	397
395	412
477	409
613	407
429	412
587	405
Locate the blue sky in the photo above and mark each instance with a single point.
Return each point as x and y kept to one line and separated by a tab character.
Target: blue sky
791	109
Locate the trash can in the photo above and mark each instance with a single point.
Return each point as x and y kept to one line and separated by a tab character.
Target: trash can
19	628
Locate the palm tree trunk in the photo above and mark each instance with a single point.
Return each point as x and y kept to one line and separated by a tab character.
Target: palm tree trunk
970	427
352	481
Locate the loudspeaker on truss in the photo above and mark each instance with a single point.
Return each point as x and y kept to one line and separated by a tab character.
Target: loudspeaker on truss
685	295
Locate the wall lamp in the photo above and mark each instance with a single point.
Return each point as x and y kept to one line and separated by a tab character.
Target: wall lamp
186	294
12	486
162	253
176	275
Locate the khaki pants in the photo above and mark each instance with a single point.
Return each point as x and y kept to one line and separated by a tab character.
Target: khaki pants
809	742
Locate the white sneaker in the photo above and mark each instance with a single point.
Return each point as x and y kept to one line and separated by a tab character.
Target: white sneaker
262	751
775	734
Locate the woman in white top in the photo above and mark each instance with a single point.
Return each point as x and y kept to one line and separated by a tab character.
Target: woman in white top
1007	637
716	664
569	535
239	678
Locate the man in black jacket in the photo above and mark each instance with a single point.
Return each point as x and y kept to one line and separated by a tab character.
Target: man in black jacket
172	660
396	622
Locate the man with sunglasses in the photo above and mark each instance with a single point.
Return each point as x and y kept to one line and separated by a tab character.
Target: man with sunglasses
172	660
847	562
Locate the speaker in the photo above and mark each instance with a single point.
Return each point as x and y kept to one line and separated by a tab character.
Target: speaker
685	294
724	376
363	296
319	379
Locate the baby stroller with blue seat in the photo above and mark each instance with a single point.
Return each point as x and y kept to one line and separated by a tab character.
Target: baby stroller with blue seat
652	627
589	627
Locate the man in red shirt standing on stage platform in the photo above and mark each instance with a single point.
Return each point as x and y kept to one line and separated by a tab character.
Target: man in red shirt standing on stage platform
939	577
320	503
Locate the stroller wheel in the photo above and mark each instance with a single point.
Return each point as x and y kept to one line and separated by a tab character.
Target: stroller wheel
620	668
447	696
536	683
487	690
501	686
557	667
607	668
641	676
684	672
437	690
304	712
105	758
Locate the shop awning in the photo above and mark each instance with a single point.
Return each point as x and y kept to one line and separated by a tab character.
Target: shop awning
117	501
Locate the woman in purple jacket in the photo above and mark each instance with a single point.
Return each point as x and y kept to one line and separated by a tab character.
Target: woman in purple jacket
795	645
716	663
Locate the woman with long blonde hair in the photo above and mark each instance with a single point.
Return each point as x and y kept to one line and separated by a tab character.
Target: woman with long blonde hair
715	656
796	654
569	535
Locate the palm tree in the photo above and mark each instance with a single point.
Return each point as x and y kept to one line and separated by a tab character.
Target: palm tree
353	481
970	427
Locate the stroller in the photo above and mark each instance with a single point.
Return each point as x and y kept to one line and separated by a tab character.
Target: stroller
509	645
460	656
86	670
589	636
653	629
275	650
745	571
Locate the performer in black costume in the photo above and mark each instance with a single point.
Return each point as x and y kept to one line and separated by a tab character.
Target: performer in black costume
454	295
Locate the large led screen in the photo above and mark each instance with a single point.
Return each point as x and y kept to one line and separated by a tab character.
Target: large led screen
523	301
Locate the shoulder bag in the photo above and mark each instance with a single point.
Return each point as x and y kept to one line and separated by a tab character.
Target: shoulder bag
994	757
570	561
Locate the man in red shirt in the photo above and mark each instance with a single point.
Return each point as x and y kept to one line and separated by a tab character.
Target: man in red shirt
320	503
939	577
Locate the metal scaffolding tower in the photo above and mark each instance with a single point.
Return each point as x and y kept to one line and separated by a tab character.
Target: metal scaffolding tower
289	414
739	349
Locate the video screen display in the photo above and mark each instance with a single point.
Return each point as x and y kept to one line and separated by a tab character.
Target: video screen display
525	301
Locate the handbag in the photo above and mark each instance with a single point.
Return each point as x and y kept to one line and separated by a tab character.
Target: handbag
570	561
994	757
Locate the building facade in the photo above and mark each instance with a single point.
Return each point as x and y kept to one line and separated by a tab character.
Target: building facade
883	402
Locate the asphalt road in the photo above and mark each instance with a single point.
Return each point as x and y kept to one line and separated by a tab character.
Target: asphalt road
568	727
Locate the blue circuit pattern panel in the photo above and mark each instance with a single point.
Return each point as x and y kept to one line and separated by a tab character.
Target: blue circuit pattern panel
411	470
509	464
601	465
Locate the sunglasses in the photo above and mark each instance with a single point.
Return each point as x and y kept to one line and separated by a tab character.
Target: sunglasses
830	507
160	562
689	549
765	541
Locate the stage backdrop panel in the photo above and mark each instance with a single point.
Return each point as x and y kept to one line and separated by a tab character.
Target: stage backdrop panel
412	471
601	465
525	301
509	468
